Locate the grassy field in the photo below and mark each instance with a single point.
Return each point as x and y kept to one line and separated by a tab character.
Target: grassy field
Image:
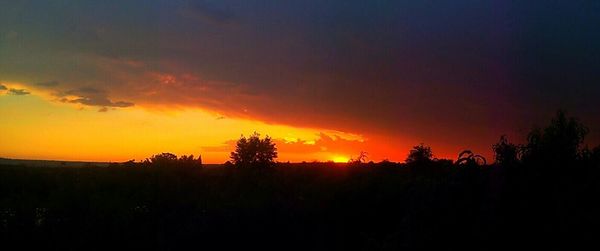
298	206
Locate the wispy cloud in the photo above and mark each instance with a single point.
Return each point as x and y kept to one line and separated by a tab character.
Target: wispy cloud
91	96
99	101
19	92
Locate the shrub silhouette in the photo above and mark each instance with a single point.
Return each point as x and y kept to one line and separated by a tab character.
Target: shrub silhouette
505	153
419	154
162	159
467	157
171	160
189	161
560	142
228	164
254	151
361	158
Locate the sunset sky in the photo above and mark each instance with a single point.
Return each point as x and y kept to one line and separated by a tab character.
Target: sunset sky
118	80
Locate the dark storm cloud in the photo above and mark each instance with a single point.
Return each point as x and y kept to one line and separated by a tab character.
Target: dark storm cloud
48	84
459	71
84	91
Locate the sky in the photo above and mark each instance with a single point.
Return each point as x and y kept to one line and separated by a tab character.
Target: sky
119	80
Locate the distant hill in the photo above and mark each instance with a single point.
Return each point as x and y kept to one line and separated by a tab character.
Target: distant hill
51	163
62	163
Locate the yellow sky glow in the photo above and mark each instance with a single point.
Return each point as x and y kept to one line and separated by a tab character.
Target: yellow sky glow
37	127
339	159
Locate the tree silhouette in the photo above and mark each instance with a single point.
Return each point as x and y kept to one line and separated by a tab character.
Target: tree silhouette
559	142
171	160
505	153
420	154
254	151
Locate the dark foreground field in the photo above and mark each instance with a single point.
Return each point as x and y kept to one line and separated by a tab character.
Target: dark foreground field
300	206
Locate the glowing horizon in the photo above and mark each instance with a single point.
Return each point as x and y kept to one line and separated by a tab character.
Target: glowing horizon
37	127
76	132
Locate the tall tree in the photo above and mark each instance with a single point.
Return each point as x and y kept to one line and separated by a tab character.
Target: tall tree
419	154
559	142
505	153
254	151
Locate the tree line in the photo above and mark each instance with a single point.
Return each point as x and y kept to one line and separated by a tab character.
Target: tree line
559	143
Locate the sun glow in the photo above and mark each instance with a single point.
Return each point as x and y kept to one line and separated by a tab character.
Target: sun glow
339	159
